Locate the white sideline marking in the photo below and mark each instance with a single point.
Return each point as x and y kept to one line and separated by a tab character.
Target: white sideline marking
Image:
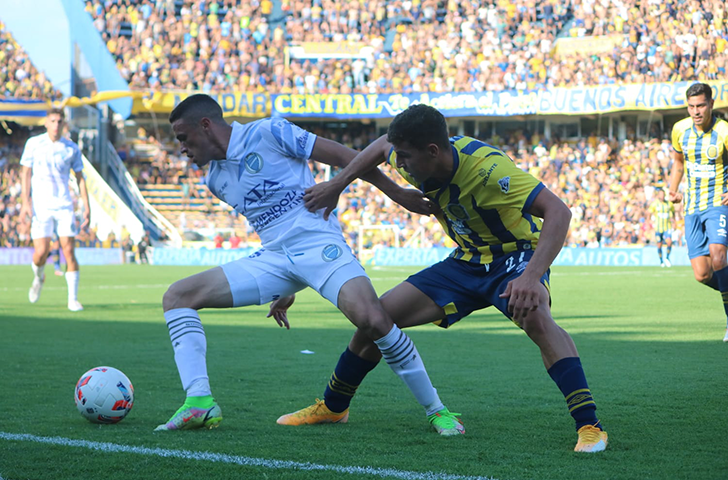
235	459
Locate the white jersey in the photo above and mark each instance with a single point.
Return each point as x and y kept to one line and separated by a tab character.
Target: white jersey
52	163
264	178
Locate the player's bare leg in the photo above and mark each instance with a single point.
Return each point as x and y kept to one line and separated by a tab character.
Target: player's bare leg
720	272
563	364
41	250
68	245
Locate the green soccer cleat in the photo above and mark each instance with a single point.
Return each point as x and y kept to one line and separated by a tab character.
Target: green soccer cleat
446	423
189	417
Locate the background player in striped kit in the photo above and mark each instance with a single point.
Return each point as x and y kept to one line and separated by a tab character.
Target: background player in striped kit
701	145
662	213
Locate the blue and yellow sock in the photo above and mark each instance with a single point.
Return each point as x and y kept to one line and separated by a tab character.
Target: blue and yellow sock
569	377
347	376
721	278
669	250
659	253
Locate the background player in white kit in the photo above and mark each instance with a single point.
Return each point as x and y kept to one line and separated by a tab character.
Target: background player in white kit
261	169
47	162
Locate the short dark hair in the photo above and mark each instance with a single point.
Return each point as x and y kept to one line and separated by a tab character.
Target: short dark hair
697	89
196	107
419	125
57	111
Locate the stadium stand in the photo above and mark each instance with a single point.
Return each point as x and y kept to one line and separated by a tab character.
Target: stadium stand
408	46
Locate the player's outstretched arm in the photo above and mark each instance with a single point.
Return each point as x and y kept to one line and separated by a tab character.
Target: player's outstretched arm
678	168
326	194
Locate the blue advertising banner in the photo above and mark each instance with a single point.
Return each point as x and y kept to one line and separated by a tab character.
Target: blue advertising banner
197	256
603	257
85	256
551	101
510	102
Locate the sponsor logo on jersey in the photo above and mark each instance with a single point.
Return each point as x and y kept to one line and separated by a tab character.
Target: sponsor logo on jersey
302	141
253	163
505	184
486	175
459	227
331	252
261	193
287	203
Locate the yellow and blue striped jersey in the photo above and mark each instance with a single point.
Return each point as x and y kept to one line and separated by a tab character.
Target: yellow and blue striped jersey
706	162
485	203
662	211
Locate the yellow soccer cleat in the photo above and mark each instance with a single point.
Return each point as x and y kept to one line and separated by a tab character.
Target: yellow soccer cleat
591	439
316	413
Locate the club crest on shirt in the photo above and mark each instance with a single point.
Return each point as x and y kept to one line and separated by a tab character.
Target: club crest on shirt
505	184
331	252
712	152
458	211
253	162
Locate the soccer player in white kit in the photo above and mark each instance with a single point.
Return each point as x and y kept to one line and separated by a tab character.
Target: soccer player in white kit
47	162
261	170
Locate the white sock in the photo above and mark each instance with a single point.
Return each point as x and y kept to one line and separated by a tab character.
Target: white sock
403	358
190	350
37	270
72	281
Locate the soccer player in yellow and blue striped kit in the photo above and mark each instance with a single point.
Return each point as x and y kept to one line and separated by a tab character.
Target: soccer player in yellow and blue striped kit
663	211
701	144
493	211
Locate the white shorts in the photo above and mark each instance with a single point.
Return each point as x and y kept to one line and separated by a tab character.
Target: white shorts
324	263
45	222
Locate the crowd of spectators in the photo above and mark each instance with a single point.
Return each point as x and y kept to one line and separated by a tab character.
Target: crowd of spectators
608	185
18	77
411	45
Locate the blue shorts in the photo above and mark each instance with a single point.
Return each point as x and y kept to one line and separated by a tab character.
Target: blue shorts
460	287
662	237
704	228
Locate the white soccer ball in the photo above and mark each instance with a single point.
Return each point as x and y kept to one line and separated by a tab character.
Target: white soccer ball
104	395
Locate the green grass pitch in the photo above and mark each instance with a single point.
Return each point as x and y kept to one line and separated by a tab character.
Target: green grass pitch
649	338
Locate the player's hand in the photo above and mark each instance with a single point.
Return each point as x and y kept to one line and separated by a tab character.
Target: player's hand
322	195
26	212
676	197
724	199
414	201
523	296
278	309
86	219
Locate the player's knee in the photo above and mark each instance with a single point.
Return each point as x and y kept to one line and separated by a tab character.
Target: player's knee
177	296
534	325
373	321
703	276
718	262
